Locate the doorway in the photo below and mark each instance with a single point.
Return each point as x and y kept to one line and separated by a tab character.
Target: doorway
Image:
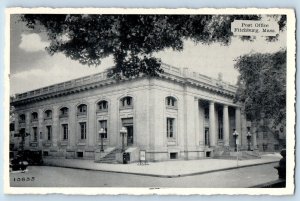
128	124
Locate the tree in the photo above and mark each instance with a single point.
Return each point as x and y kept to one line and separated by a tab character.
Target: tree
262	86
131	39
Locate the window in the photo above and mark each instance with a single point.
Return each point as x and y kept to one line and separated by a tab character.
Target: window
206	113
82	126
220	124
170	127
64	112
65	131
82	109
103	105
35	134
48	114
171	102
173	155
206	136
103	124
126	102
276	147
49	132
22	118
34	116
79	154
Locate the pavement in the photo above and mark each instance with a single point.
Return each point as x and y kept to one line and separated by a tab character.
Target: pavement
168	169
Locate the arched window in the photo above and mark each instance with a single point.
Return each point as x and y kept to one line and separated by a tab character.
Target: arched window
126	102
171	102
48	114
22	118
64	112
82	109
34	116
102	106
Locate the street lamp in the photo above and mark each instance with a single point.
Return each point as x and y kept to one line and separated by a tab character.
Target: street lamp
123	132
101	133
235	136
248	138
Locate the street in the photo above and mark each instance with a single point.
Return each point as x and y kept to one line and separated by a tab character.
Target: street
45	176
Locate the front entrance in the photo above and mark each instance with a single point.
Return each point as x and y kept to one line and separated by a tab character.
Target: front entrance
128	124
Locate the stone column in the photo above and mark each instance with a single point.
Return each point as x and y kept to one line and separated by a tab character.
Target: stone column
226	125
55	129
238	123
40	127
212	126
72	125
197	119
92	130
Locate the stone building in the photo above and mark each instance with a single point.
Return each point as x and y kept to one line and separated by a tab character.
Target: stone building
178	115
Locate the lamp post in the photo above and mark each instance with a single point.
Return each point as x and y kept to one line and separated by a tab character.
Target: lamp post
248	138
235	136
123	132
101	133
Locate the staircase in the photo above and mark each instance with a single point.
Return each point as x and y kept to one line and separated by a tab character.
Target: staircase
110	157
227	153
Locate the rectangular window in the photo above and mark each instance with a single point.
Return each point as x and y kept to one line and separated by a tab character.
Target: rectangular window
103	124
220	125
206	134
82	130
34	131
170	127
276	147
65	131
206	113
49	132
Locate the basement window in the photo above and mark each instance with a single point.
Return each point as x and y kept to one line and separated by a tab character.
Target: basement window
173	155
80	154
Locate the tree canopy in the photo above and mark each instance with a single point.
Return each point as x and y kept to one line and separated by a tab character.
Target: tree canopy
262	86
131	39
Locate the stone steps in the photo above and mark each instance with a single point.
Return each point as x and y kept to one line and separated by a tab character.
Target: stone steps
110	157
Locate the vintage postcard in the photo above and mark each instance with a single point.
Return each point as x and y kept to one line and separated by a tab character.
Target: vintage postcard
150	101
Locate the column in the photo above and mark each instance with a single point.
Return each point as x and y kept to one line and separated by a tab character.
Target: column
40	127
197	119
55	129
92	130
238	123
226	125
72	125
212	127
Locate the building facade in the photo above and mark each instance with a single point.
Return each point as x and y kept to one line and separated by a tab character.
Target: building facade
178	115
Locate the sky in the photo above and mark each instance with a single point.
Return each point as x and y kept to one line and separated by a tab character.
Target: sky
31	67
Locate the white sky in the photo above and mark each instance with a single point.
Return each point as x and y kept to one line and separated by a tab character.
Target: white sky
31	67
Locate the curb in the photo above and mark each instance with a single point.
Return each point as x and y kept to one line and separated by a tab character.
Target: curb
164	176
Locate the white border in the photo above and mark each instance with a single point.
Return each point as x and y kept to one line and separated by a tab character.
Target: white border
290	101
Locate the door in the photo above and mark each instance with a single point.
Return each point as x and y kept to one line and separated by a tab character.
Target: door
128	124
129	135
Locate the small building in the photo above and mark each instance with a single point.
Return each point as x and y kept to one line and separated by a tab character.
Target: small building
177	115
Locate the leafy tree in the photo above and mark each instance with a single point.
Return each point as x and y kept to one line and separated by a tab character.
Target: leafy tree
131	39
262	86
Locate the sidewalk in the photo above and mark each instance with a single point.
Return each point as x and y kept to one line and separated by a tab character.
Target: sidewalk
165	168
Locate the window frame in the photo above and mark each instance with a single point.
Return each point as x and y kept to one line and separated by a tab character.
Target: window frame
171	102
100	106
82	109
170	127
124	102
82	130
65	131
